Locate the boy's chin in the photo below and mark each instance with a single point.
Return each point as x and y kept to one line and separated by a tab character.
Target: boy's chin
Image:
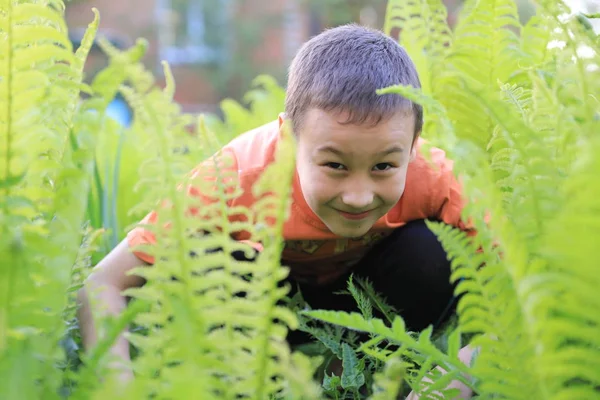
349	232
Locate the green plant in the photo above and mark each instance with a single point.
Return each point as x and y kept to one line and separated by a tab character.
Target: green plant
49	138
46	154
260	105
519	116
119	150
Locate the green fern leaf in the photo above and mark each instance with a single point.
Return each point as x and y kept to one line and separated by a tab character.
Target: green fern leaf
535	201
387	383
577	72
534	42
42	232
352	375
486	50
425	34
236	355
562	296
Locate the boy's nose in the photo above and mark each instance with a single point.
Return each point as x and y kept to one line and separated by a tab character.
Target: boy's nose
357	200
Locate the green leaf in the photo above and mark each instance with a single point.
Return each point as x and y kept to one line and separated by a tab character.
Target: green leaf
11	181
331	383
454	343
352	374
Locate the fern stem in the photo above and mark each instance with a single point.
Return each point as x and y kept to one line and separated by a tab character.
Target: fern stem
9	84
177	207
5	313
274	244
178	213
226	285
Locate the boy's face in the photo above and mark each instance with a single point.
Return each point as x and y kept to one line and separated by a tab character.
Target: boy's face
352	175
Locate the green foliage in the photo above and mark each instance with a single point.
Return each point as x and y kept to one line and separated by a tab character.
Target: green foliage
118	153
54	152
265	100
190	342
45	161
515	106
113	204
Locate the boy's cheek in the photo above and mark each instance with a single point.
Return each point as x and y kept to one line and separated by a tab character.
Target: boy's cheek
321	191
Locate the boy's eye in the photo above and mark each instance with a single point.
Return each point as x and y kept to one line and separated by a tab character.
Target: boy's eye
336	166
383	167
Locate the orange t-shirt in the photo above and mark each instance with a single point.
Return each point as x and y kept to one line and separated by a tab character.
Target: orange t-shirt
313	253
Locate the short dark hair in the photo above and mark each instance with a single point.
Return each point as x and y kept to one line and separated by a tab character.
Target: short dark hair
341	69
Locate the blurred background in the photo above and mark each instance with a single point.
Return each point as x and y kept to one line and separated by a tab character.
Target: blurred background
216	47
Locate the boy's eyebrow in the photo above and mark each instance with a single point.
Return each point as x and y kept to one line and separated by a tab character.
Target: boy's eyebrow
331	149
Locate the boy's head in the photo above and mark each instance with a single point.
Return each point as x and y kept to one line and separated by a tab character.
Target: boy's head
354	146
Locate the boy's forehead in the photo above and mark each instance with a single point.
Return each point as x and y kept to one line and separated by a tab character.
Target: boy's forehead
340	117
331	122
327	131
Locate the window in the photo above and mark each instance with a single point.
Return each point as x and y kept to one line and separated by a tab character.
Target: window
193	31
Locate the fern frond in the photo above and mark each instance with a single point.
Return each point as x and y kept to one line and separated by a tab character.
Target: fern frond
242	356
27	61
388	382
420	349
518	127
562	296
376	299
534	177
167	350
535	37
485	50
438	127
518	97
491	306
424	32
139	77
260	105
577	64
38	171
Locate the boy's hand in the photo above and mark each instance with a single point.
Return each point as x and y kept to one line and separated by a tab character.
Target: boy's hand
465	354
101	294
465	391
125	376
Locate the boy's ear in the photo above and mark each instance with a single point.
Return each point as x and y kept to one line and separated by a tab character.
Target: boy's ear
284	123
282	118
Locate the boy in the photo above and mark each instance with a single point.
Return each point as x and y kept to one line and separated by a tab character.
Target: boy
361	190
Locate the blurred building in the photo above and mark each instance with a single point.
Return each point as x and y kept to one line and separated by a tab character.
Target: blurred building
215	47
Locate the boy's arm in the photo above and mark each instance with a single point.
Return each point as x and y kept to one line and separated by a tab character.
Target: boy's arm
103	289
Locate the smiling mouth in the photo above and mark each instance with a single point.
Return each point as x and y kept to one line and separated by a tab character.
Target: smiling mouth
355	216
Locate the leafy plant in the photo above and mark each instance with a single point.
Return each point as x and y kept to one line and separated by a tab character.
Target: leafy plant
119	150
260	105
518	115
46	159
516	108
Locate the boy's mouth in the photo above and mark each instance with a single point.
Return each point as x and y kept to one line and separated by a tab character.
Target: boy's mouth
355	216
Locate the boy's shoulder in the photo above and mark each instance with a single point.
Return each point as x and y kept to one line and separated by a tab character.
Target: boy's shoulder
432	190
430	160
431	171
255	149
